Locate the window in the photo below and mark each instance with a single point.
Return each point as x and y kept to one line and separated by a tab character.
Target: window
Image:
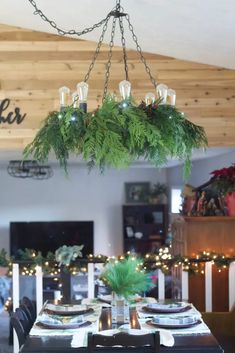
176	200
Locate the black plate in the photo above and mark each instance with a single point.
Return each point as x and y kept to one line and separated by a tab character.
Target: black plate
151	323
63	326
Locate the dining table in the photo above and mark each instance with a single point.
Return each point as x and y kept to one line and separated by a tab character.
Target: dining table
45	337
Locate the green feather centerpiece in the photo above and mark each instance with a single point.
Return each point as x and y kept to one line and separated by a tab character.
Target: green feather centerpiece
126	277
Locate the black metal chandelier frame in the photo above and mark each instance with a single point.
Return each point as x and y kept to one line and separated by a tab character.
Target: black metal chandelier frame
118	14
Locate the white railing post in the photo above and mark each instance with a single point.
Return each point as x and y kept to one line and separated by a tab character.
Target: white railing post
39	288
16	300
161	285
231	284
184	285
208	286
91	281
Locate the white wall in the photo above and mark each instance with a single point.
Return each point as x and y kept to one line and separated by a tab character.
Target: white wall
80	196
200	172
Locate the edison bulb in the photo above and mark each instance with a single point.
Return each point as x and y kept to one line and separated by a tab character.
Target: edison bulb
125	89
75	99
64	93
82	90
162	92
171	97
150	98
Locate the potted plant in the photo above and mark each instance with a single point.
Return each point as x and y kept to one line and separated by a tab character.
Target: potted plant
64	256
158	194
224	182
125	278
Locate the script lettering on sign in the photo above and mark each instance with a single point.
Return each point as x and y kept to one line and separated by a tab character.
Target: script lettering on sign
11	117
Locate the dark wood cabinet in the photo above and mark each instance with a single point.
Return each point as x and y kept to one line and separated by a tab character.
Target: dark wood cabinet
144	227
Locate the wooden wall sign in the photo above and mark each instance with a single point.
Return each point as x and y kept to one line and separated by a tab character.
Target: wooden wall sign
11	117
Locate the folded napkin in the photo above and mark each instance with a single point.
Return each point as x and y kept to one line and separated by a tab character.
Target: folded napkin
79	338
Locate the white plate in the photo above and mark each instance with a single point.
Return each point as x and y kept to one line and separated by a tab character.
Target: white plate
176	307
67	309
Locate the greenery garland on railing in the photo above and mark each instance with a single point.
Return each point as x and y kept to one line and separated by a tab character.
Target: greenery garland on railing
117	134
163	260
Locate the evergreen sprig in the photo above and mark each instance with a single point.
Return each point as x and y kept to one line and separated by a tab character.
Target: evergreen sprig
125	277
117	134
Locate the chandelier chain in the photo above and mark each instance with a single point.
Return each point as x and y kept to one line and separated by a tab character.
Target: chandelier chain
124	47
109	62
71	32
100	42
142	58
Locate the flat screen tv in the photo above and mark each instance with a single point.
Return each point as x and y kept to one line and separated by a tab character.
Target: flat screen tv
49	236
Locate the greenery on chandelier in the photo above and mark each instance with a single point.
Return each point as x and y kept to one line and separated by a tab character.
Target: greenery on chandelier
117	134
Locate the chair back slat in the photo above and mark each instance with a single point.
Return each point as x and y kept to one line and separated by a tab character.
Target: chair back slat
125	340
17	324
30	305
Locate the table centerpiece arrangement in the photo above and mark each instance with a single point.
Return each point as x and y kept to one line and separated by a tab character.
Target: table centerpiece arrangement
126	278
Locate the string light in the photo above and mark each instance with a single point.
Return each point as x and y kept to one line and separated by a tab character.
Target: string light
164	260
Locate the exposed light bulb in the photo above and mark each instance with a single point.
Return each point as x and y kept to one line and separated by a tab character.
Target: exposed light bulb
162	92
171	96
82	90
75	99
125	89
150	98
64	93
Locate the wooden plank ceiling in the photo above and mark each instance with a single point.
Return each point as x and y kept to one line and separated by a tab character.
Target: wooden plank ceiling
34	65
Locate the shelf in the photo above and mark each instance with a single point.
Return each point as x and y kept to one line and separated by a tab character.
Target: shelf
142	240
209	219
148	219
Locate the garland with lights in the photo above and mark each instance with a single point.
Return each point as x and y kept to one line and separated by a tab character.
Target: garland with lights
163	260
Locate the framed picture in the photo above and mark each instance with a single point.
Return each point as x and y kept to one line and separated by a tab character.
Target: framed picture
137	192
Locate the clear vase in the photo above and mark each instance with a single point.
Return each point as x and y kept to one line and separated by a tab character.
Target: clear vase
120	309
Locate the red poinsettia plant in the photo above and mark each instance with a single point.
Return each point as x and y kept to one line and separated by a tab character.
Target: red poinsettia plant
224	179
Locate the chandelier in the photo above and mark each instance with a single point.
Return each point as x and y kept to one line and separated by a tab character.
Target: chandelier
120	130
29	169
